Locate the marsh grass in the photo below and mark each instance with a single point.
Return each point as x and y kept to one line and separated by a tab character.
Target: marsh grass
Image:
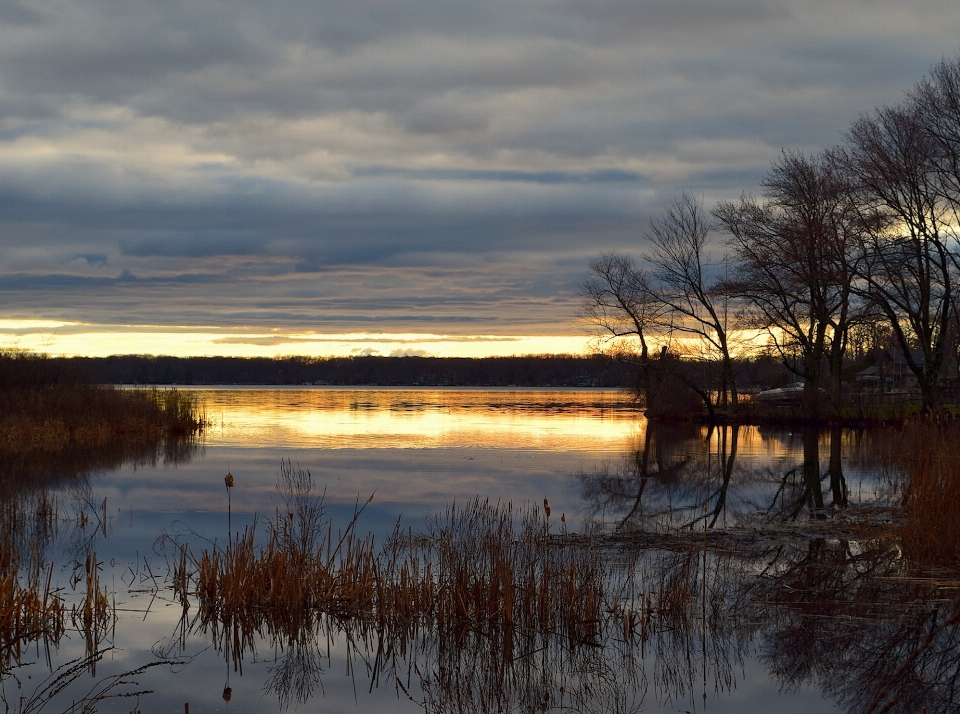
58	418
303	572
35	618
94	615
513	612
31	609
925	458
481	569
44	409
493	608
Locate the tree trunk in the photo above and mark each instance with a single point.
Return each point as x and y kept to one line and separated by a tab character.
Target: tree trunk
729	378
811	399
931	397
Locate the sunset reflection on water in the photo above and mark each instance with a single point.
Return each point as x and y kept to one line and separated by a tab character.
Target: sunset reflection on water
384	418
420	450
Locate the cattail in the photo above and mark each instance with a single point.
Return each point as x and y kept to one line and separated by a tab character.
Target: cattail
228	479
546	507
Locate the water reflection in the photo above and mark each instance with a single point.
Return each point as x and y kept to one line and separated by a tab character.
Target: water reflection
485	615
848	617
380	418
708	547
688	476
50	470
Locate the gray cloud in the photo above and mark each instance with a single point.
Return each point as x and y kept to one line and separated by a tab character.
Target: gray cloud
17	14
386	163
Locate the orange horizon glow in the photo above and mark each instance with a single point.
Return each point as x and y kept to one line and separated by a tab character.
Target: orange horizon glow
76	339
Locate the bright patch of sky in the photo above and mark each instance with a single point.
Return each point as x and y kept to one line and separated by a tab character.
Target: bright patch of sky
76	339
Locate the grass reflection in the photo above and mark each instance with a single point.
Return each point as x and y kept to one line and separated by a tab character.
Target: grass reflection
35	618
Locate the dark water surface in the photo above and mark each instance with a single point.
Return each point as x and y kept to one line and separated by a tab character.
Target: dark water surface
766	646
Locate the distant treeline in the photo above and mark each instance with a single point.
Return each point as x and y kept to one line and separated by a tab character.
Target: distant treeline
536	371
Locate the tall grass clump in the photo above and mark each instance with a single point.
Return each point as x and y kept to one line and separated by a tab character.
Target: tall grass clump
497	572
31	610
481	569
926	453
487	591
304	571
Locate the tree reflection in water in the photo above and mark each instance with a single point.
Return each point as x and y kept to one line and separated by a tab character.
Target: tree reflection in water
682	475
847	616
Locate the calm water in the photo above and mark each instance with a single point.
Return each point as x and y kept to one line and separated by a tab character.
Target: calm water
417	451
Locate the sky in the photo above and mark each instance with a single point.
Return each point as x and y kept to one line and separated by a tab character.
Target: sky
335	177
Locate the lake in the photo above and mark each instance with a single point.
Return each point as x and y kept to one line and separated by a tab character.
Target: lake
602	470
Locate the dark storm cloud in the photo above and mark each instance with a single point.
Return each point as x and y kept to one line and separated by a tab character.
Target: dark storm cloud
393	162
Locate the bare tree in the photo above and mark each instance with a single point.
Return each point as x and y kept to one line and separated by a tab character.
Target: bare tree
937	101
794	265
687	283
909	250
620	305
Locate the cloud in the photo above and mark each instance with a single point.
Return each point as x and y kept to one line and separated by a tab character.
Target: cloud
398	162
17	14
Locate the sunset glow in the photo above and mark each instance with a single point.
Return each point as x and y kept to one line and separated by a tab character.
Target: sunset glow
78	339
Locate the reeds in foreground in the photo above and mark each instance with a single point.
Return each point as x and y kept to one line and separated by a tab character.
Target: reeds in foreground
926	453
477	571
510	613
31	610
492	610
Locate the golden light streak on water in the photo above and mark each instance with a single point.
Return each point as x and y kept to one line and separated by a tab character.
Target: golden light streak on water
570	420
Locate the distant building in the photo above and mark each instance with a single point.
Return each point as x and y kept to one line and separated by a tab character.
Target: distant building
891	371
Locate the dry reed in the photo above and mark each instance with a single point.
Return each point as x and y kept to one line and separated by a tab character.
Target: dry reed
31	610
926	456
501	603
476	572
43	410
929	453
492	609
93	615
